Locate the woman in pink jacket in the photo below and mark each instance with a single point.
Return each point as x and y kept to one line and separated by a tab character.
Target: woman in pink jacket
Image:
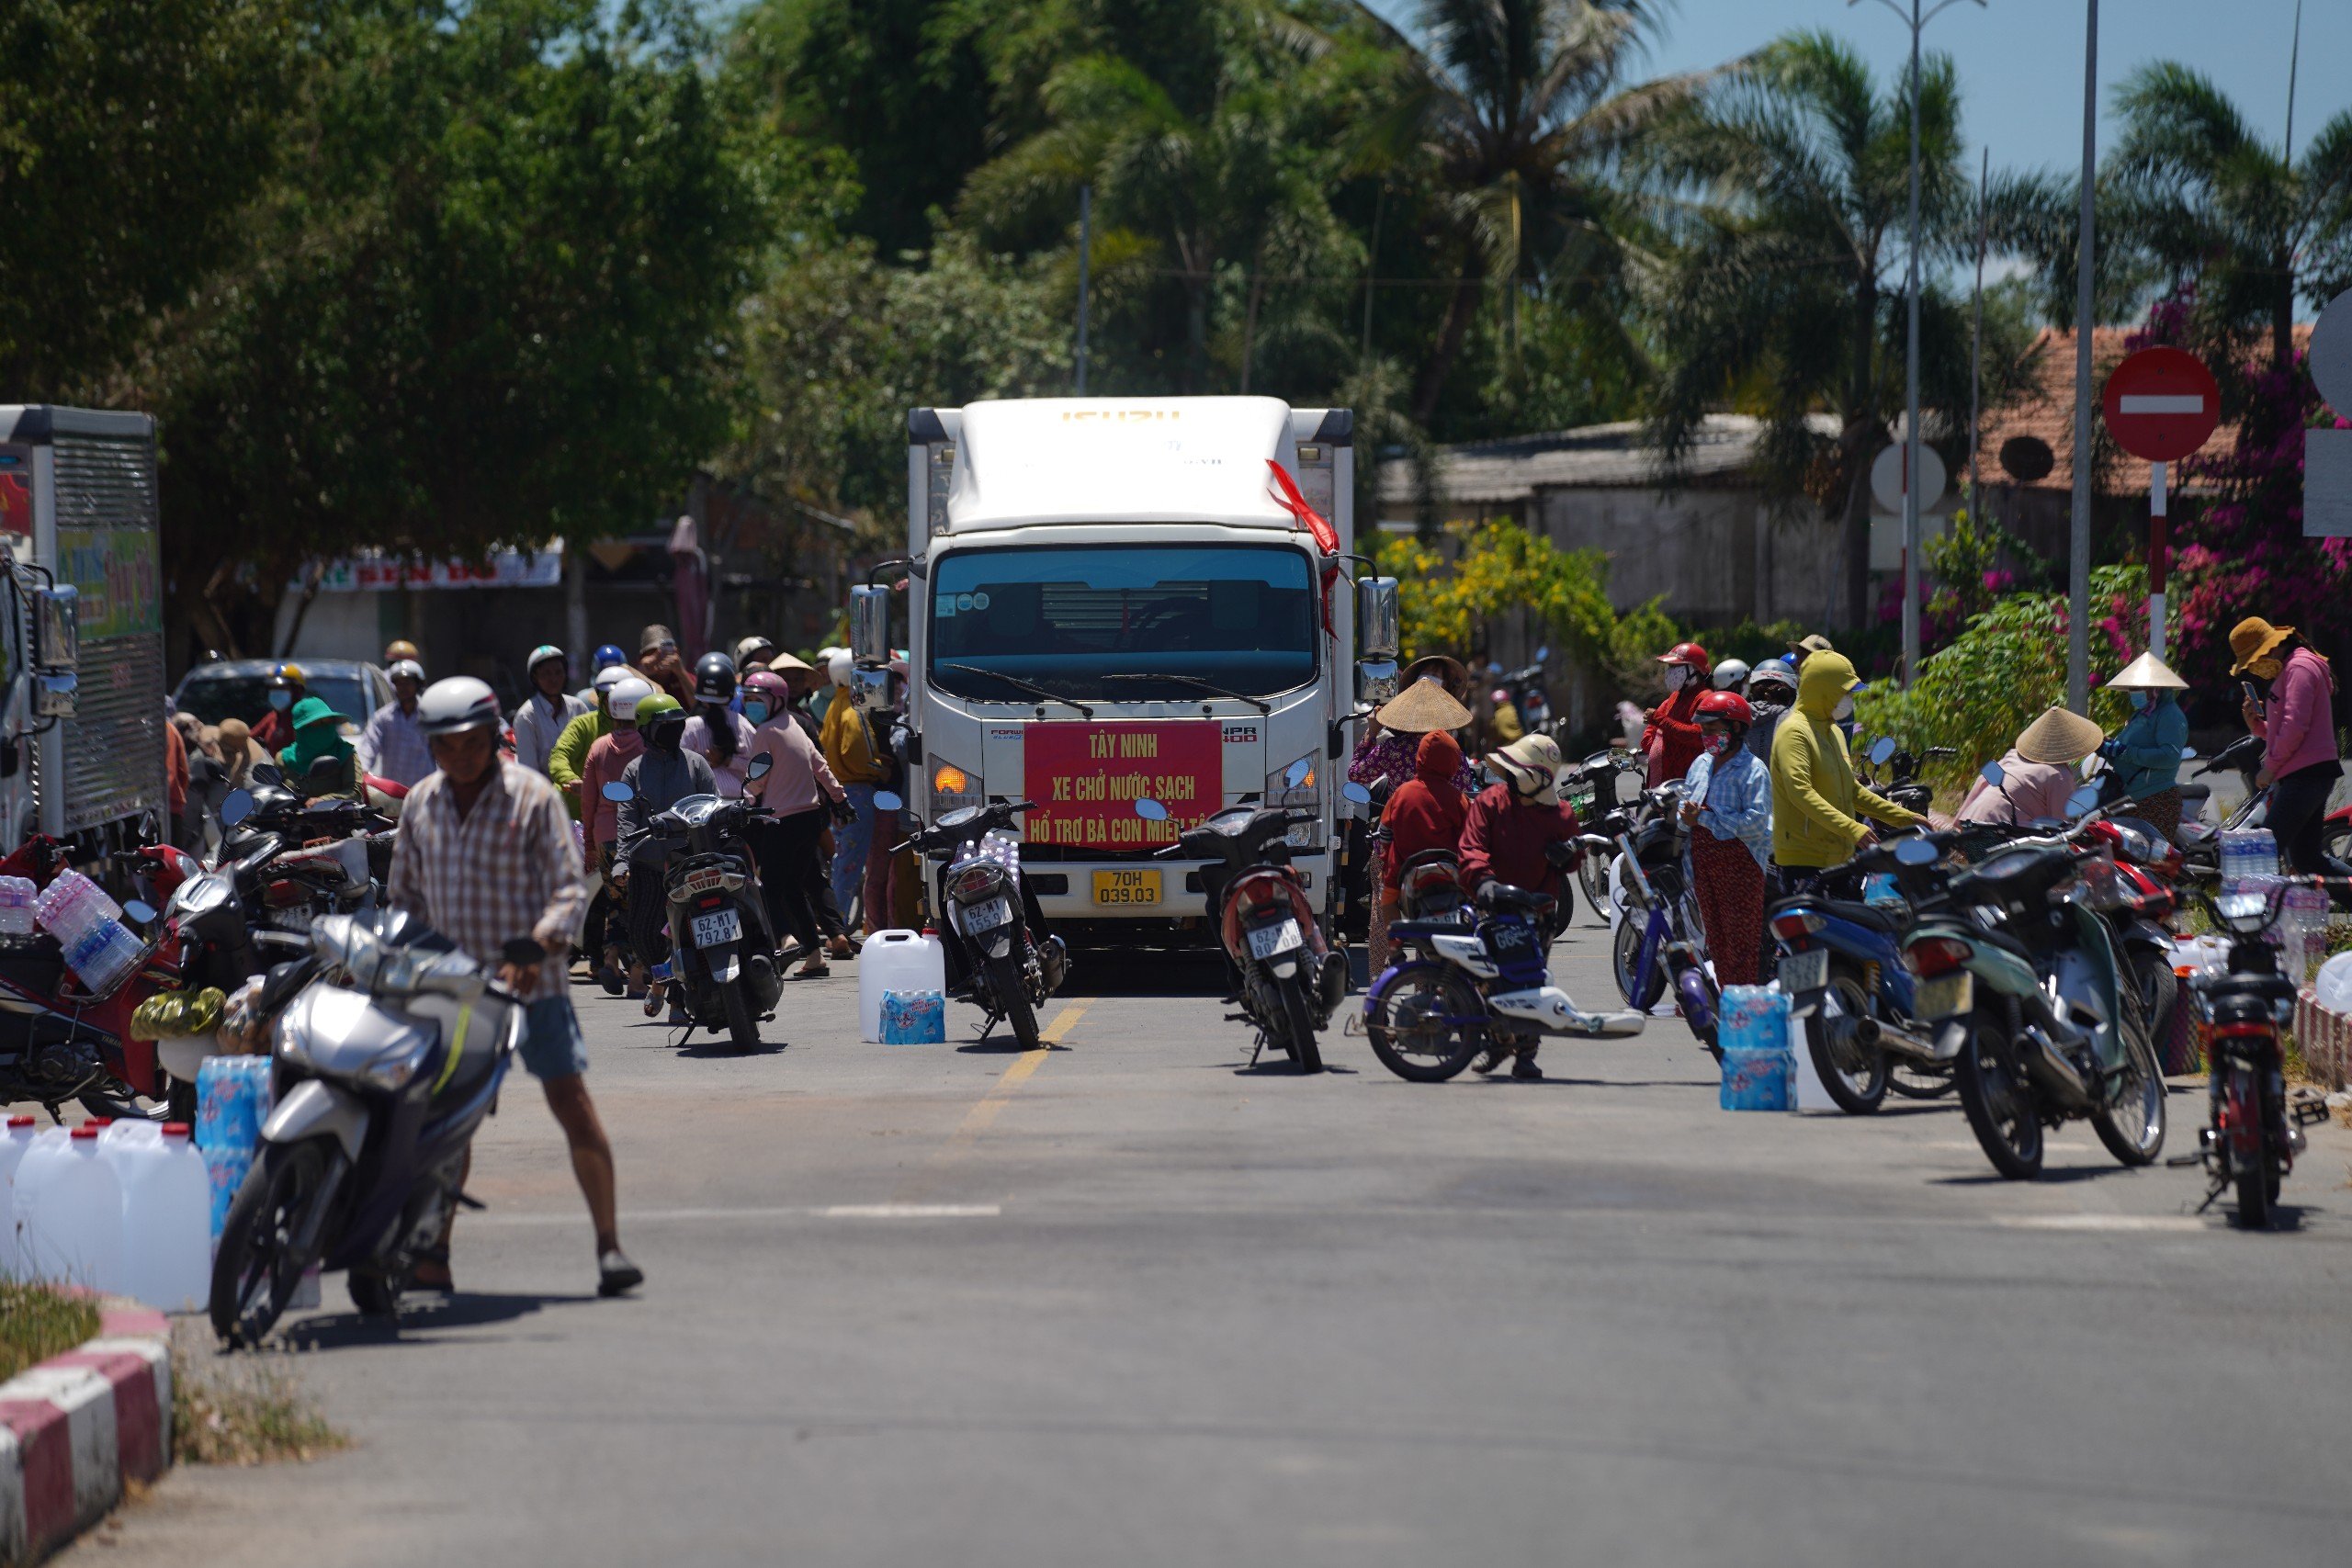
804	795
2295	715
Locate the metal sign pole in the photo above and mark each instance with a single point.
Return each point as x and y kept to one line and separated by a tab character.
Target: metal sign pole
1085	260
2159	545
2078	565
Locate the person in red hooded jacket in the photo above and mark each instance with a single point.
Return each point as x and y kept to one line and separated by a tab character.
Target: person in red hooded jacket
1424	814
1672	739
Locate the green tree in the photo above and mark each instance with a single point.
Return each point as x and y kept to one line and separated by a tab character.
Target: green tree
490	300
132	134
1518	112
1786	297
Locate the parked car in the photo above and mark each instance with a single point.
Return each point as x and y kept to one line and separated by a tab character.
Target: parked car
239	688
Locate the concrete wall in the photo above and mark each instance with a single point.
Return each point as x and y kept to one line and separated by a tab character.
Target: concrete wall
1718	557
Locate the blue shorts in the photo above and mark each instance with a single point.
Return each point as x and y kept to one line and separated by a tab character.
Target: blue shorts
553	1046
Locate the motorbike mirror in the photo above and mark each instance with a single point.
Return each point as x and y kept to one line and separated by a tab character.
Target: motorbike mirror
2188	753
1628	788
1543	654
1915	851
1993	774
1151	810
268	773
236	808
618	790
888	800
1356	792
1880	750
140	911
760	766
2079	804
1297	772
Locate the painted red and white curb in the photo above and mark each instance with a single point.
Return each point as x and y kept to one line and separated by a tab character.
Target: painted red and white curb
77	1427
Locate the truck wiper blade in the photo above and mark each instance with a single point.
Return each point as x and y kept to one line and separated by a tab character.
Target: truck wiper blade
1018	685
1200	685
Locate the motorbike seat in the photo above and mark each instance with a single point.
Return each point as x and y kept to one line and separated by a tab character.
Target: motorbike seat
2241	1009
2194	792
1506	899
1867	916
1422	930
1431	857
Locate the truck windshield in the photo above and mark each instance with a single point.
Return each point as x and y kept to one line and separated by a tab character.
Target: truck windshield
1239	616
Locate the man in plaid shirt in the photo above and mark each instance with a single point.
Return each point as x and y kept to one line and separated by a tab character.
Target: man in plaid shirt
485	857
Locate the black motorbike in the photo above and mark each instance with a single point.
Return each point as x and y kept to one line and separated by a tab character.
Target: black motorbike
995	950
722	949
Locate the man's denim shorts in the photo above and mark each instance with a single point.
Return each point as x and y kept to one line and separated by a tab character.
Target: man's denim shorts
553	1046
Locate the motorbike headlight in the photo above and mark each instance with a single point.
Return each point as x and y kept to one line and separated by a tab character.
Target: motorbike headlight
953	788
391	1071
285	1037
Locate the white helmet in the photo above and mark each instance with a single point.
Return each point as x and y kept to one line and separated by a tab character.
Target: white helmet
1731	675
625	697
838	668
457	703
406	667
611	675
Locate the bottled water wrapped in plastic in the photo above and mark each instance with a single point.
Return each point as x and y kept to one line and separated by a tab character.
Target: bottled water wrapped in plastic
2303	933
18	897
232	1100
914	1017
1753	1030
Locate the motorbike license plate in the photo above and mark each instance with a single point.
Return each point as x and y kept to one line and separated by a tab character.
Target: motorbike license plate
1267	941
722	926
1126	887
1945	995
978	918
1803	972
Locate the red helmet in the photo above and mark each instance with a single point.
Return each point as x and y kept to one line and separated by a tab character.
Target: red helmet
1729	707
1690	654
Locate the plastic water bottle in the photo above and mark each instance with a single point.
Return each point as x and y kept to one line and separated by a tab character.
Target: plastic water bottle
166	1208
16	1143
68	1210
2303	932
16	896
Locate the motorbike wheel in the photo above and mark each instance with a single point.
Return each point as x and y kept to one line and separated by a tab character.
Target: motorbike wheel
374	1295
2336	839
1855	1075
258	1265
2258	1181
125	1107
1920	1081
1407	1028
1012	1000
1626	953
1593	877
2131	1125
1299	1022
2159	993
743	1028
1999	1103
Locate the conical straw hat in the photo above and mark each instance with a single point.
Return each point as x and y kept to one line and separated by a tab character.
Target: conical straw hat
2147	673
1422	707
2059	735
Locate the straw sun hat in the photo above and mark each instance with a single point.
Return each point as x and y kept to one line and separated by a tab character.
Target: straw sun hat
1423	707
2147	673
2253	638
2060	737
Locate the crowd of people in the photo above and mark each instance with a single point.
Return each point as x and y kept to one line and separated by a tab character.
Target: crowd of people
1768	790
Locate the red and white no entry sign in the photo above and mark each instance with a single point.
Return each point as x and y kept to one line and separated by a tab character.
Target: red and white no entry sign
2162	404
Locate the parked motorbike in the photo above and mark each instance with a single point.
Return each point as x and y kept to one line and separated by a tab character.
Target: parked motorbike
1893	772
995	952
722	947
1841	962
1455	992
2018	969
1291	980
2254	1128
1529	696
1429	884
1613	777
1661	941
390	1045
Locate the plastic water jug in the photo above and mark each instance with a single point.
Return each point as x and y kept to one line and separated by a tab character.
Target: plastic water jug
914	1017
16	896
2332	991
1806	1091
895	961
167	1218
1754	1030
16	1143
68	1208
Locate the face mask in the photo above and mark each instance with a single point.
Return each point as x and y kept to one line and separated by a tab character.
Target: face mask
2139	699
1716	744
2267	669
756	712
281	700
1676	677
1845	709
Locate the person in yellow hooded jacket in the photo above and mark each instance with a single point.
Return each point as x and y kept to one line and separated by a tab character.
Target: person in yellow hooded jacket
1818	806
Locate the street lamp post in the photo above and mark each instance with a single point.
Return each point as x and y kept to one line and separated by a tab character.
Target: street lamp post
1917	22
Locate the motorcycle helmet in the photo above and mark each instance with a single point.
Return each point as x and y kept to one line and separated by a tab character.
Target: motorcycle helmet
1689	655
1731	674
628	695
661	720
838	668
407	670
750	648
400	649
1499	696
765	690
714	679
1729	707
609	654
459	702
1771	673
539	656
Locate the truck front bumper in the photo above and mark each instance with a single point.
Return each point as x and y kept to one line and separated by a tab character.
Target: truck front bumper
1106	890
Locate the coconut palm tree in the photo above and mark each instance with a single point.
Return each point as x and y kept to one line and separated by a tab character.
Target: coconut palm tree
2242	219
1785	297
1519	112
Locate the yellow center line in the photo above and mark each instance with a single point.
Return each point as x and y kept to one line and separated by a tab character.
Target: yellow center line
983	1115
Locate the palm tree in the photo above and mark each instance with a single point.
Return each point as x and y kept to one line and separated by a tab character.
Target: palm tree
2213	205
1786	297
1519	111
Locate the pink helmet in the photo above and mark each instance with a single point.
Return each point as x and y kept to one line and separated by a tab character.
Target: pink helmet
769	681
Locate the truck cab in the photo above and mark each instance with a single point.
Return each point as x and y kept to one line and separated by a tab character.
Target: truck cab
1109	599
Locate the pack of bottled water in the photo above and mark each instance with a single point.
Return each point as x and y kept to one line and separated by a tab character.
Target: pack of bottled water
100	949
232	1100
2249	860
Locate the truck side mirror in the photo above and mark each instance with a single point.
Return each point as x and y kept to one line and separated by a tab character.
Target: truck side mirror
55	693
869	624
57	628
870	688
1377	635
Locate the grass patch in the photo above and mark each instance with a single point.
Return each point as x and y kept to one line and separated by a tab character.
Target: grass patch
37	1323
250	1408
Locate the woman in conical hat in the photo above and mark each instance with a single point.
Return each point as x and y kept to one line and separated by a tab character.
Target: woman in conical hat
2144	755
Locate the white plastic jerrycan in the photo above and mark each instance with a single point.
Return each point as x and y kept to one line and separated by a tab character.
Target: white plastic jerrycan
895	961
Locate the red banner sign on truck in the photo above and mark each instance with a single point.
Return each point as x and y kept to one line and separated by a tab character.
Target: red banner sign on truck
1086	779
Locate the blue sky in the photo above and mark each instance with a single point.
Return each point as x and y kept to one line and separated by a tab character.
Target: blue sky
2020	62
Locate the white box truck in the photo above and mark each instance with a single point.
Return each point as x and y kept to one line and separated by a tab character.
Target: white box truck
1111	598
82	641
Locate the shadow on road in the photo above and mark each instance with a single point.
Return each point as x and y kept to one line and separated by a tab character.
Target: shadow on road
419	1315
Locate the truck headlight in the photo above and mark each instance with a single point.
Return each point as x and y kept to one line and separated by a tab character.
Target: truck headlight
953	788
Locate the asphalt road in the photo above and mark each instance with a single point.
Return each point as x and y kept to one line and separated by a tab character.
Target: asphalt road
1128	1300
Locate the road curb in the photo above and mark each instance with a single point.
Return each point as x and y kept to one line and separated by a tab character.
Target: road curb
78	1427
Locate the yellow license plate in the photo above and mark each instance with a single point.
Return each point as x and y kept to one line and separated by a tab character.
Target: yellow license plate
1114	888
